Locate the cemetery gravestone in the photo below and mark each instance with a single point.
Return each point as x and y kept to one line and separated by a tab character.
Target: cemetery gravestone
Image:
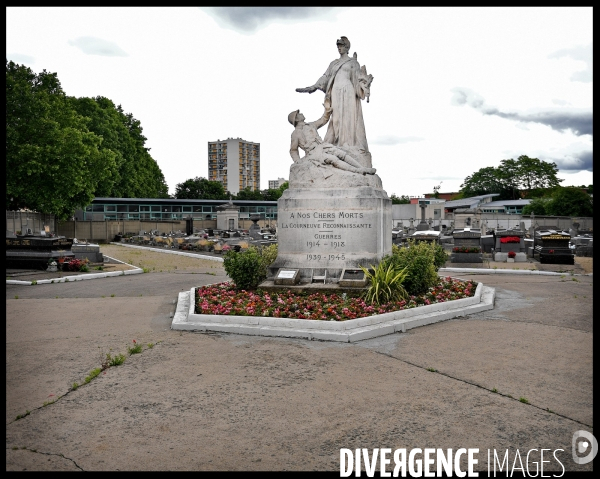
507	241
552	247
467	246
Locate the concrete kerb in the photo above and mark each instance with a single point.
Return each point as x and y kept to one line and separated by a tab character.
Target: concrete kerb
67	279
347	331
505	271
180	253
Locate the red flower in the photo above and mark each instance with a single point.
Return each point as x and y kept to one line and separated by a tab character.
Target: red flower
510	239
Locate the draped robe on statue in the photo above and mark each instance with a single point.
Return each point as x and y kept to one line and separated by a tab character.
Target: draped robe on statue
340	83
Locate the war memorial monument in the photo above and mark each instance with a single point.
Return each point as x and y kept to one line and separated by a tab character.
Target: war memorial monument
335	215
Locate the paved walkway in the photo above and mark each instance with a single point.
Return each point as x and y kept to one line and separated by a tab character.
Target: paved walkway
198	401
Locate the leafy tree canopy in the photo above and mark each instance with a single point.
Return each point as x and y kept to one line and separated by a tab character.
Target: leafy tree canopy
138	175
61	151
536	207
570	201
54	164
200	189
399	200
513	179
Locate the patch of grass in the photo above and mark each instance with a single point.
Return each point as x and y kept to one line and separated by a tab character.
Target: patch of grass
112	295
21	416
574	295
16	297
47	403
150	345
494	390
92	375
99	268
524	400
117	360
15	448
135	349
103	296
145	270
575	279
33	283
510	396
75	386
433	370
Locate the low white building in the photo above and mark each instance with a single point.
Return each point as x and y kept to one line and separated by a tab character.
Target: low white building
274	184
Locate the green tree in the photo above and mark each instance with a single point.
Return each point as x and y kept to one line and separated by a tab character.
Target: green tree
249	194
486	181
402	200
283	187
536	174
273	194
54	164
138	174
570	201
200	189
536	207
513	179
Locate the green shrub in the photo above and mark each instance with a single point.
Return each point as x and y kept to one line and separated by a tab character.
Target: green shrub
439	256
246	268
268	255
385	283
419	260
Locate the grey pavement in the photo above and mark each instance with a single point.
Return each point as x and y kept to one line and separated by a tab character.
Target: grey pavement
197	401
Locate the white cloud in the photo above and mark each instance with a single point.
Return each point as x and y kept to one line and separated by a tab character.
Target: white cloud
98	46
189	80
20	58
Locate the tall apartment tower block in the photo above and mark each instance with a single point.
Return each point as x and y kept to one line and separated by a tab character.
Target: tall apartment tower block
235	163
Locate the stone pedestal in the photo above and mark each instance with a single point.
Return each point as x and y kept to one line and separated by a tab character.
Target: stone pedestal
323	231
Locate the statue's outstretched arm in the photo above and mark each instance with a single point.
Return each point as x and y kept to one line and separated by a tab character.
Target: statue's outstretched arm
308	89
319	85
326	114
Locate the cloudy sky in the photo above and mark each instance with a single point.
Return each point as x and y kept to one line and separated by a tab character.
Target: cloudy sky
454	89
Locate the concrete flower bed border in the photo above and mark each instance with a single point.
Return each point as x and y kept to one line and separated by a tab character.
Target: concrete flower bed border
345	331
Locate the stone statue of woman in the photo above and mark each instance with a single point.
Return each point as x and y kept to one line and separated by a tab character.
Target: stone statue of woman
345	84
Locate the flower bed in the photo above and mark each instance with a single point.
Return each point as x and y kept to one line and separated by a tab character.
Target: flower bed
224	299
510	239
466	249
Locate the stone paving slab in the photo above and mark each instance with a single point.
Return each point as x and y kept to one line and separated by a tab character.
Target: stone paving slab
218	401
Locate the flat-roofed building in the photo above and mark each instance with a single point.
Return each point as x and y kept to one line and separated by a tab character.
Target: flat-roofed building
274	184
235	163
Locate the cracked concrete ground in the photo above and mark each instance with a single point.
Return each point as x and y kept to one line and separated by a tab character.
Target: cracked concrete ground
227	402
